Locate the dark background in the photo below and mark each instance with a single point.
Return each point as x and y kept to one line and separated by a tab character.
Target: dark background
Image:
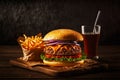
31	17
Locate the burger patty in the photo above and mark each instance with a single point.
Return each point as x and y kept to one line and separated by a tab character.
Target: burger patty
63	49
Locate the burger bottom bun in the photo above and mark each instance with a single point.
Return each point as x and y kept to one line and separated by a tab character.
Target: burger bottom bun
57	63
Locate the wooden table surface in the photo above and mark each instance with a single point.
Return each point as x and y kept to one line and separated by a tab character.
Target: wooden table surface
108	54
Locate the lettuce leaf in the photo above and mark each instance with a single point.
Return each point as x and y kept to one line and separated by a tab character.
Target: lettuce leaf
42	56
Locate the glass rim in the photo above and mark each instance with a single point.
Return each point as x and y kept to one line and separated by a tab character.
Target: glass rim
94	30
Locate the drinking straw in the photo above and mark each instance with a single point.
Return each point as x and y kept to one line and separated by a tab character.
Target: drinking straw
96	20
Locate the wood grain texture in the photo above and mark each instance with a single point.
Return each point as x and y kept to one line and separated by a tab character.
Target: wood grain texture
109	54
87	67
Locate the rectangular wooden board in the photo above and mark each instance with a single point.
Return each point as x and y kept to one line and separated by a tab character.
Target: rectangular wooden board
89	66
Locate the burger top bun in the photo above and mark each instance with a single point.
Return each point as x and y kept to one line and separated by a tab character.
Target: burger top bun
63	34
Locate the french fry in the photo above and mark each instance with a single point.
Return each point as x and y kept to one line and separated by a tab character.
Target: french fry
31	47
31	42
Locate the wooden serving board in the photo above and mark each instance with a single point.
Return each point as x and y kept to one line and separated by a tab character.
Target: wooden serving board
89	66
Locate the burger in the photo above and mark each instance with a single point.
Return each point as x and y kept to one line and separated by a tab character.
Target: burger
62	48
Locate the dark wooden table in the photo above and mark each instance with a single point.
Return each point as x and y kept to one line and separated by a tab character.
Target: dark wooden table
109	54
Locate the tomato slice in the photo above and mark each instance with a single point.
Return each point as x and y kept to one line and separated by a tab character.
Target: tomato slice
60	56
48	56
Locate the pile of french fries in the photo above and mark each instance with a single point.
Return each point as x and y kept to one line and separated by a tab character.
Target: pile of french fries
32	42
